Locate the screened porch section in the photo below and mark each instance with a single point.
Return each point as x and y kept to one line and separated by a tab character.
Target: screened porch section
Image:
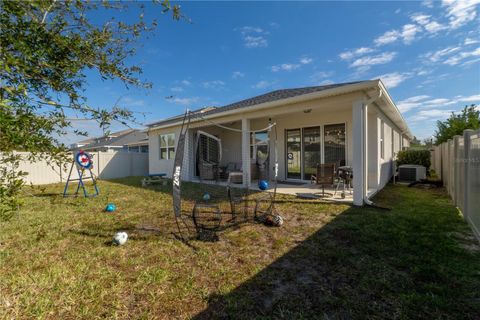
219	150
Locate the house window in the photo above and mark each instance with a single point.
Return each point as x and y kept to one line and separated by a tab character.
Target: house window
382	139
167	146
144	149
259	145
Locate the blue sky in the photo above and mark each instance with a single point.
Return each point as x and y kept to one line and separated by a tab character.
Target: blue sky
427	53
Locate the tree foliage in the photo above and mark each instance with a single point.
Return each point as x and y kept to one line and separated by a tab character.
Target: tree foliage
468	118
46	48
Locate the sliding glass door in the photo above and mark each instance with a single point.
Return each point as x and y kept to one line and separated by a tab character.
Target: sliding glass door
334	144
294	149
304	149
311	151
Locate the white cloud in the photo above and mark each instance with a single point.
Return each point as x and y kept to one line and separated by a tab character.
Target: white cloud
215	84
472	98
131	102
285	67
423	102
306	60
430	115
456	59
382	58
460	12
262	84
434	27
469	41
184	101
427	3
420	18
408	34
318	77
348	55
435	56
237	75
425	21
392	80
409	31
326	82
411	103
253	37
387	37
255	42
291	66
185	82
176	89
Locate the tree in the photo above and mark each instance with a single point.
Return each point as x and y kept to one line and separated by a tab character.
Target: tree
45	49
468	118
415	142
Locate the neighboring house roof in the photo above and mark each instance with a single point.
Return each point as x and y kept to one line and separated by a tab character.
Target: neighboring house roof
117	139
288	95
143	142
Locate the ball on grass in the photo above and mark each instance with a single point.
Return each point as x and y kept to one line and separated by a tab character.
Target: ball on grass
274	220
263	185
120	238
206	196
110	207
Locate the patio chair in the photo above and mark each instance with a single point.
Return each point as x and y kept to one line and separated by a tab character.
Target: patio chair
225	171
208	170
325	176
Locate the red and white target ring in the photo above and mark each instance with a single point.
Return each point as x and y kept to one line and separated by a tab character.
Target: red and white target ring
84	160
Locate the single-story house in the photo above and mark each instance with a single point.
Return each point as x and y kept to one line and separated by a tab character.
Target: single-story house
129	140
355	124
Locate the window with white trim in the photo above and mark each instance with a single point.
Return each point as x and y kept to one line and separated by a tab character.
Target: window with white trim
259	145
167	146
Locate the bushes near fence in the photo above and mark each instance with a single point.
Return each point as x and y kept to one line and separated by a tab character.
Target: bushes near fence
419	157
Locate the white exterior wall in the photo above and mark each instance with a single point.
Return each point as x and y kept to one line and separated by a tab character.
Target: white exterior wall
157	165
381	169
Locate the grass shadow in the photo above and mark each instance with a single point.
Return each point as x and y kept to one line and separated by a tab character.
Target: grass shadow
366	263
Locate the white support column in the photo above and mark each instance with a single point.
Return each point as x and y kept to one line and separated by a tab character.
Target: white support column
246	163
360	176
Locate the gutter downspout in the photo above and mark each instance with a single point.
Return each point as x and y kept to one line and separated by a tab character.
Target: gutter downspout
365	149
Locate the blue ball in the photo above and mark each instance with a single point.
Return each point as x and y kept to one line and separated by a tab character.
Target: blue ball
206	196
263	184
110	207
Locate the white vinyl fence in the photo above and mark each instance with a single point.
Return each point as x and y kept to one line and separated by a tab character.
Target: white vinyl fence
457	162
106	165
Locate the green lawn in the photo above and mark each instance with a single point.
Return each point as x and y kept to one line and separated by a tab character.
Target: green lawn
328	261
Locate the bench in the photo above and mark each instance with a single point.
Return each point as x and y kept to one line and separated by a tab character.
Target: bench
155	178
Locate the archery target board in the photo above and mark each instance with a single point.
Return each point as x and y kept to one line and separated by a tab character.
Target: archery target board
84	160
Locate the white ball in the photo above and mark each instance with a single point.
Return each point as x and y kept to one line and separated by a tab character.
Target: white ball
278	221
120	238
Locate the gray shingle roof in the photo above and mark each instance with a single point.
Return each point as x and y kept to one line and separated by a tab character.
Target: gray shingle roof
267	97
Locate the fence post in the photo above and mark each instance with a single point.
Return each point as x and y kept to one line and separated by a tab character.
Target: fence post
466	143
457	157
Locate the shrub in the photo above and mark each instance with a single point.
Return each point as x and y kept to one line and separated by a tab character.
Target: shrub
411	156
